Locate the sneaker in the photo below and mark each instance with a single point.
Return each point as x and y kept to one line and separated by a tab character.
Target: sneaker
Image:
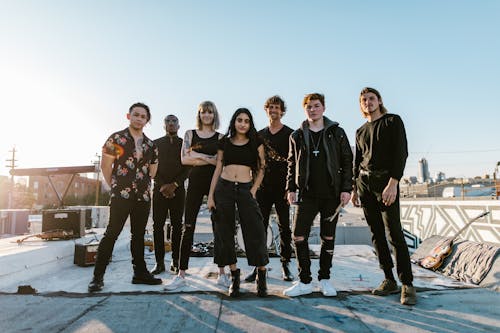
177	283
386	287
298	289
145	278
326	288
408	295
223	280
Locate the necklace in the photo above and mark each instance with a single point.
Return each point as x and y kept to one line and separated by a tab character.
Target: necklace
316	144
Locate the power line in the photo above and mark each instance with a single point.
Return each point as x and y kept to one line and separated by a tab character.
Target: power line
455	152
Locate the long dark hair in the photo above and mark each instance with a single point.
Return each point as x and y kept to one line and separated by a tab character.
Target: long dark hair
231	131
251	134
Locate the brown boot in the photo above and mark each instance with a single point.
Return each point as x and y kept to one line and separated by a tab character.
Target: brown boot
261	283
386	287
408	295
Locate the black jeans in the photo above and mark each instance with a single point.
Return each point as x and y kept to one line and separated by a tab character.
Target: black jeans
307	210
120	210
379	216
228	194
266	198
194	199
163	207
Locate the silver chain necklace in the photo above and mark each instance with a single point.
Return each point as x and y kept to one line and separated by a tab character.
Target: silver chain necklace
316	145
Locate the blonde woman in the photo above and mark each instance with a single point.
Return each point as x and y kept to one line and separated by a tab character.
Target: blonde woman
199	151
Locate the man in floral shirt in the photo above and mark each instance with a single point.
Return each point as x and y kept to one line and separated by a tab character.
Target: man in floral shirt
129	162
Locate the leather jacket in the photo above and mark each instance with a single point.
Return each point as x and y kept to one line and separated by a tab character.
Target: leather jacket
338	155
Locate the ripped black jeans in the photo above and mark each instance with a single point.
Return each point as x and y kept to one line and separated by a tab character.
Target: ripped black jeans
307	210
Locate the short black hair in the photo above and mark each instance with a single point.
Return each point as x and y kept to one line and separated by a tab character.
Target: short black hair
140	105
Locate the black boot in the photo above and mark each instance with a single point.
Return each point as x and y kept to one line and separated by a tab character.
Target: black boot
96	284
234	288
251	277
174	269
145	278
159	268
261	283
286	274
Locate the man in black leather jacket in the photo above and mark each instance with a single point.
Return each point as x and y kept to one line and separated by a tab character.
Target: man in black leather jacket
320	169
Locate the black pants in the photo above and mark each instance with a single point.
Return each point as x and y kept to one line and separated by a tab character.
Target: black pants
163	207
266	198
194	199
307	210
120	210
228	194
379	217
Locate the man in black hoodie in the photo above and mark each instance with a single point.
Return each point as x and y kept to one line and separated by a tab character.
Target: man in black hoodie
320	168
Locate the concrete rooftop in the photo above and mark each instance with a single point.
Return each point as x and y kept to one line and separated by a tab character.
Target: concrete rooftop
61	302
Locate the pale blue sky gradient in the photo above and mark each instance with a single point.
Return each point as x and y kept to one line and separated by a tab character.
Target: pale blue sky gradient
69	70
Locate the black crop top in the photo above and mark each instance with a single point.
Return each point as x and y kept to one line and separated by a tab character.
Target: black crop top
240	155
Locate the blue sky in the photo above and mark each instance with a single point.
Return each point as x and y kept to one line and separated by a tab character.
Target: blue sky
69	70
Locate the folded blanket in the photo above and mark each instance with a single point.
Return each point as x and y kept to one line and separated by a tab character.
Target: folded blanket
470	261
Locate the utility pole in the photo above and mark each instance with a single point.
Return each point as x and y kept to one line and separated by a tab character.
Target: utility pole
97	183
495	181
12	165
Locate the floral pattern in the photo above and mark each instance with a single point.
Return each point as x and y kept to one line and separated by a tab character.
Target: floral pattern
130	175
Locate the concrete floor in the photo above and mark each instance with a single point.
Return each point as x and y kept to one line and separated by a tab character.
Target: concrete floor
62	304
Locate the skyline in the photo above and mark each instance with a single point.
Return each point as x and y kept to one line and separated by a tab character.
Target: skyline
71	70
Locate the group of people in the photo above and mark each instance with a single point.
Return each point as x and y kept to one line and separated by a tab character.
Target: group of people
312	167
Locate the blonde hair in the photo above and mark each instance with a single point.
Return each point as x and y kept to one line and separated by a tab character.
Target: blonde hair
207	106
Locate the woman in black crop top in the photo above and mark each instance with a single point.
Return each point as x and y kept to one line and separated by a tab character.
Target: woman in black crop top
199	151
238	174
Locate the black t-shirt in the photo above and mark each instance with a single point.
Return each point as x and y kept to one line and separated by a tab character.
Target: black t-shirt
319	178
246	154
276	148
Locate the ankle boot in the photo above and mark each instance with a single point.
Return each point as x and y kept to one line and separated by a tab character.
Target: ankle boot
261	283
234	288
286	274
96	284
251	277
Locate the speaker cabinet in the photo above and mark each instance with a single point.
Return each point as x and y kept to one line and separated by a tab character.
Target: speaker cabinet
85	254
65	219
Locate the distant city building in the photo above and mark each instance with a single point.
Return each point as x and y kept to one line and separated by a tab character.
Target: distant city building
45	195
423	171
440	177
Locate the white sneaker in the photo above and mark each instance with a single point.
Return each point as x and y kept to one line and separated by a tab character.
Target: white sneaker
177	283
223	280
326	288
298	289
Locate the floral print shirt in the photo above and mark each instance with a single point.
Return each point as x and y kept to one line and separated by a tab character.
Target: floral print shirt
130	177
